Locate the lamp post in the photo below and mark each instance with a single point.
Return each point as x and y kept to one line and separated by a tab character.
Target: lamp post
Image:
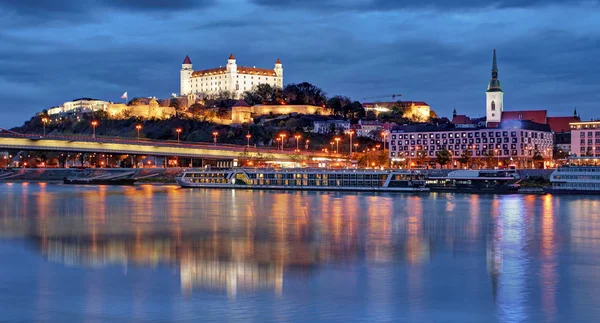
331	143
248	136
306	144
337	145
94	124
283	135
498	157
278	140
215	134
384	135
356	147
297	138
350	133
44	120
138	128
178	130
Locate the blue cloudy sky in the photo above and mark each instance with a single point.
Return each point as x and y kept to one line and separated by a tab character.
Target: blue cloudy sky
435	51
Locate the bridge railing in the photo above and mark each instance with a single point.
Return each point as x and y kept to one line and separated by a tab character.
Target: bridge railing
163	143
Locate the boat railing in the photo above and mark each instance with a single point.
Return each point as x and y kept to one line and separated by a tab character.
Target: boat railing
307	170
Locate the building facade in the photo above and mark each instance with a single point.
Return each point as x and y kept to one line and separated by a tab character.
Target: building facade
585	138
231	78
82	105
331	126
511	142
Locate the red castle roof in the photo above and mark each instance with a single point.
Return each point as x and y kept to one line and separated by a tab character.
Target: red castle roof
241	103
187	60
231	56
278	61
461	119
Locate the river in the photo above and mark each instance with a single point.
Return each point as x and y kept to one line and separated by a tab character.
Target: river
152	253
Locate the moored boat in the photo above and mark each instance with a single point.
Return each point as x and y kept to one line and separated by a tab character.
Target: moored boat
580	176
100	181
306	179
476	181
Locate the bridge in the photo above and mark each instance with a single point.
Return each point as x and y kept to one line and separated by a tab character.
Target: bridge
104	145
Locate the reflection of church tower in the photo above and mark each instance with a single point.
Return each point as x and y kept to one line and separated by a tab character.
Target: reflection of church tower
494	96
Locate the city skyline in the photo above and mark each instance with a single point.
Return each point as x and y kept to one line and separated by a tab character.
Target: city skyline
58	52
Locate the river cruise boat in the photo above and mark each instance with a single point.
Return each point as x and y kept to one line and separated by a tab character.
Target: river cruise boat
306	179
476	181
581	175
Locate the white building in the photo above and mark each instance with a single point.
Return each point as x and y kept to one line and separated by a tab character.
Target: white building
511	141
232	78
585	138
82	105
329	126
367	127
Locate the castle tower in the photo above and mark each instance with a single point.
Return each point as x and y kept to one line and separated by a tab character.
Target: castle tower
185	83
279	72
494	96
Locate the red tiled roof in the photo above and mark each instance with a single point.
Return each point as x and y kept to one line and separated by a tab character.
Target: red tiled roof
538	116
493	124
255	71
561	124
187	60
277	61
231	56
212	71
461	119
241	103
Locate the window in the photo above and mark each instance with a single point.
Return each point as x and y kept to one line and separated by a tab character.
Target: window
493	105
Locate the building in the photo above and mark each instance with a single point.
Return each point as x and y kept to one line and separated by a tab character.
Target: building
231	77
417	111
77	106
510	142
494	97
331	126
368	128
585	138
152	110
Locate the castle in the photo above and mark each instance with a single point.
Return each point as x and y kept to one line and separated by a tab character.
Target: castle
231	78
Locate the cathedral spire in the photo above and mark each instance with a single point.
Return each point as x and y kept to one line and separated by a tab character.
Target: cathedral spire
494	85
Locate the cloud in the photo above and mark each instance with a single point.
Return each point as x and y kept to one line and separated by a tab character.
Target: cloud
383	5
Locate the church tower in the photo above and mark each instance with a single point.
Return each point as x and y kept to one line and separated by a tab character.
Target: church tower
185	82
494	96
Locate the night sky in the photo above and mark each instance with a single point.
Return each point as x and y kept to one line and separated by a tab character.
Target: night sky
439	52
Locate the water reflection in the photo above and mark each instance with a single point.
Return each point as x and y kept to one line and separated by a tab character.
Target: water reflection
405	251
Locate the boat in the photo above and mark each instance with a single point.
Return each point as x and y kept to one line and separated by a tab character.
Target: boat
581	175
306	179
476	181
100	181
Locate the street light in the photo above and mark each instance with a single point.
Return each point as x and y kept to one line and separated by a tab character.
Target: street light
498	157
331	143
350	133
278	141
384	135
248	136
337	145
44	120
94	124
138	127
306	144
283	135
297	138
215	134
178	130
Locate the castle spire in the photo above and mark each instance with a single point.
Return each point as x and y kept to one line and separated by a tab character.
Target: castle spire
575	112
494	85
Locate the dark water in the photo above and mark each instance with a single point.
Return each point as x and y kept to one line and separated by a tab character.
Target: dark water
160	253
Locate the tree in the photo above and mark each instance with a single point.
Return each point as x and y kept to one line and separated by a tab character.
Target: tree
490	159
264	94
353	110
336	104
304	93
175	104
558	153
421	157
442	157
537	156
465	158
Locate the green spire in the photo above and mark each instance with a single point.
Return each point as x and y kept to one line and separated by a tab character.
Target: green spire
494	85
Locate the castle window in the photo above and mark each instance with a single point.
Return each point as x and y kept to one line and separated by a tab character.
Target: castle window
493	105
